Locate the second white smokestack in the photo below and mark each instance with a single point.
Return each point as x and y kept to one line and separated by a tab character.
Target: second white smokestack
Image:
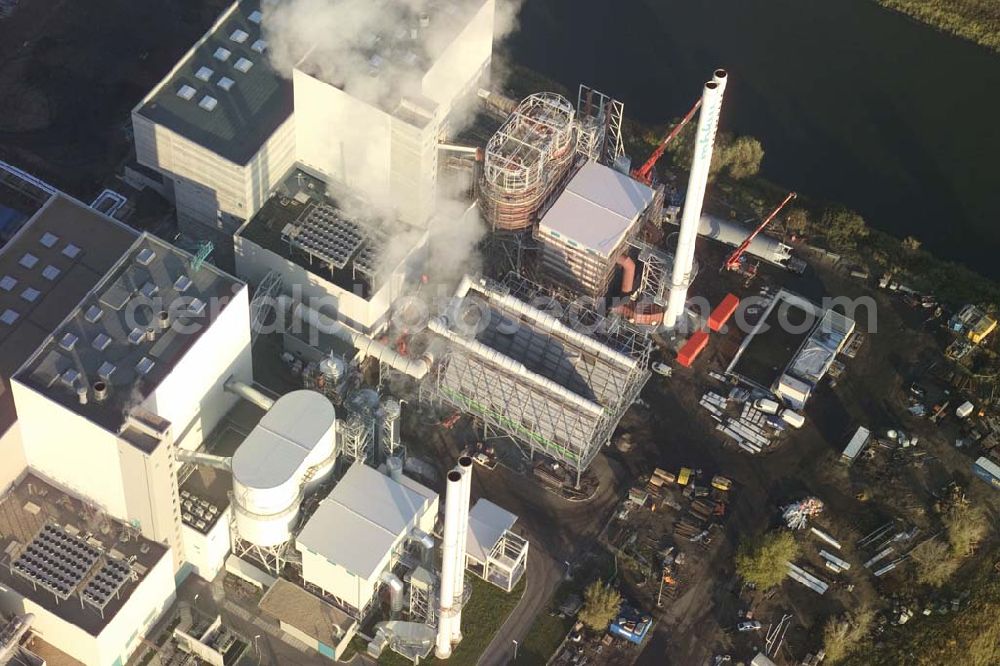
449	560
704	144
465	467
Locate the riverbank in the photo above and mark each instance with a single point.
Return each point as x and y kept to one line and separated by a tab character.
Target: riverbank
975	20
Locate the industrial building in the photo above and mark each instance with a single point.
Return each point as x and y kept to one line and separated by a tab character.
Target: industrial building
223	128
586	232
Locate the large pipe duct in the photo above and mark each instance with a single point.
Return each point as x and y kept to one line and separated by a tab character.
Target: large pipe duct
465	467
628	273
395	592
708	125
414	367
249	393
449	560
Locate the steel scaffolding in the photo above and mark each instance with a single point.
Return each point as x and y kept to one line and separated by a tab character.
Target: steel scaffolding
534	376
600	126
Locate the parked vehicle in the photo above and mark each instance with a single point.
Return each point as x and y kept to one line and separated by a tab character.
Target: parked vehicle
751	625
767	405
662	369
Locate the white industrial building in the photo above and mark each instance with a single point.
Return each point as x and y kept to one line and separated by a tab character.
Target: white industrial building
224	127
382	515
586	232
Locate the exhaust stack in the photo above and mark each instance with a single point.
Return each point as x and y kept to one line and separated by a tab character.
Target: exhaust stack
708	124
449	561
465	467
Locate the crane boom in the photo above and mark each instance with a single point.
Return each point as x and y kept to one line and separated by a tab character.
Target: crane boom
733	261
644	173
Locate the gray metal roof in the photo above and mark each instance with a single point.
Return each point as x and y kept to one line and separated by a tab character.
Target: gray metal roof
358	523
487	523
245	114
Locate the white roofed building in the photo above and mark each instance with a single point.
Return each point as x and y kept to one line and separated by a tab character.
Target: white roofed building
359	531
588	228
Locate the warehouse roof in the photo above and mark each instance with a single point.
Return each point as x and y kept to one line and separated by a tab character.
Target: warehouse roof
224	95
370	507
597	209
45	270
314	617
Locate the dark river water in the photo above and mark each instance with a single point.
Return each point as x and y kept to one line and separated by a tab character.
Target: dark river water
853	103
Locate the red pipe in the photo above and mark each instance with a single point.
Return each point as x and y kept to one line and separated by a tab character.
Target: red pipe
628	273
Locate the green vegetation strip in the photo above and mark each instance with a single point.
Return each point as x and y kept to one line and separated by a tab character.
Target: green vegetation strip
970	637
975	20
482	618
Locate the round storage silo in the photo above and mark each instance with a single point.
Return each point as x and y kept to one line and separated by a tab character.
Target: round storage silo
284	456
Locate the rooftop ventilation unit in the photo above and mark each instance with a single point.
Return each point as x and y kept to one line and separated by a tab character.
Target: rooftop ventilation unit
136	336
243	65
196	307
204	74
255	17
9	317
30	294
259	46
93	314
239	36
71	251
149	290
68	342
145	257
222	54
50	272
226	83
7	283
144	365
28	260
101	341
186	92
69	377
48	239
106	370
182	284
208	103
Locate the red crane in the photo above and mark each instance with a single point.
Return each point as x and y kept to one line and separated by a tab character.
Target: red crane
644	174
733	261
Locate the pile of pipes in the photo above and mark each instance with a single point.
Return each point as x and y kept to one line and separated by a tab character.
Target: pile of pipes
752	430
883	542
800	575
797	514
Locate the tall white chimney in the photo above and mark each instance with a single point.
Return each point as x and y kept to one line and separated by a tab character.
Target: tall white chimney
465	467
708	124
449	560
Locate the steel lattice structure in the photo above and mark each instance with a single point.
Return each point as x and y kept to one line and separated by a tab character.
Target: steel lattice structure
532	375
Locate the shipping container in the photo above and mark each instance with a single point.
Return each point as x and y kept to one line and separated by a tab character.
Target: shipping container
988	471
794	419
723	311
694	346
856	445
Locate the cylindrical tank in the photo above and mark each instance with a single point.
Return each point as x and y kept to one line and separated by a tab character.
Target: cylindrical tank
285	456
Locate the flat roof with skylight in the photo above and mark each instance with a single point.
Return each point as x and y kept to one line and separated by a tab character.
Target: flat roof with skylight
129	331
45	270
224	95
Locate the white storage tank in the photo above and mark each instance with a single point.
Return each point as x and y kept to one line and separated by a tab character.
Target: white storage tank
289	452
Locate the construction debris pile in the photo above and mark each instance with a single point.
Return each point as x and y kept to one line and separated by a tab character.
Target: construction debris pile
797	514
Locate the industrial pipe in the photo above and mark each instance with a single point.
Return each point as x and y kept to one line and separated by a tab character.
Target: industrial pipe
416	368
452	516
628	273
708	125
395	591
205	459
465	467
248	393
426	543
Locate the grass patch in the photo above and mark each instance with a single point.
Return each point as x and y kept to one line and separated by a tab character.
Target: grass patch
546	634
485	613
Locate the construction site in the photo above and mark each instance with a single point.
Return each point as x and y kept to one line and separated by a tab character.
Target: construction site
422	361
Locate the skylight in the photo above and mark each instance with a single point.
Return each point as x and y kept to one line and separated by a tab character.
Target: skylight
71	251
93	314
208	102
106	370
149	290
196	307
9	317
50	272
69	377
48	240
255	17
136	336
222	54
101	341
186	92
145	256
182	284
226	83
243	65
7	283
68	341
239	36
144	365
28	260
30	294
204	74
259	46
